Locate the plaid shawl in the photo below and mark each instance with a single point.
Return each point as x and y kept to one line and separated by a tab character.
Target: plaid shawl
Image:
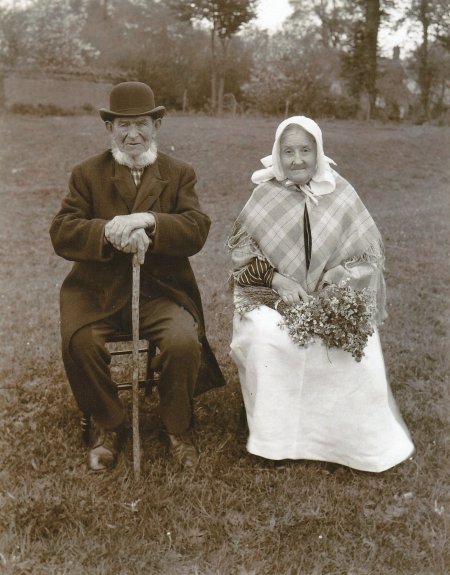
270	226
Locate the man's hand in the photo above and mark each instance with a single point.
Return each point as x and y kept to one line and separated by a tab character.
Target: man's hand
138	243
118	230
288	289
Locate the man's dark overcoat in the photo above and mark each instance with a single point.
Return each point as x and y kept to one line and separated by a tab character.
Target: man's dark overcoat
99	283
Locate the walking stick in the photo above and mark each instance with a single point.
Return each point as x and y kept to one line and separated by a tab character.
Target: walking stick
135	379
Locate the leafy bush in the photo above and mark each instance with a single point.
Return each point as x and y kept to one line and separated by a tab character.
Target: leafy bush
41	110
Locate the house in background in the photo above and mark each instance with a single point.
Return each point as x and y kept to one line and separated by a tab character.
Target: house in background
396	89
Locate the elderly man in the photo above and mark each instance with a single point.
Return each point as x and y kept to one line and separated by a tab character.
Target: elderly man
133	199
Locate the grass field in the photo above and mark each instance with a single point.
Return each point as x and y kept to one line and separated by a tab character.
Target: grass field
238	515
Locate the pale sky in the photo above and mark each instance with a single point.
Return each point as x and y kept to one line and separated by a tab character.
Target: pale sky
272	13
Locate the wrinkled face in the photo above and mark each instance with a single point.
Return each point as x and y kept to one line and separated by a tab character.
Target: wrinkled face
298	154
132	135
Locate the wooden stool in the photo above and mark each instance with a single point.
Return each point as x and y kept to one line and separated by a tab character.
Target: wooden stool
151	377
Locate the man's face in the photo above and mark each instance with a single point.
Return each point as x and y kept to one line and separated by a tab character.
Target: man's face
131	135
298	152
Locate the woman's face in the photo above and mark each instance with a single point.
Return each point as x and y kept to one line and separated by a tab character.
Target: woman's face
298	154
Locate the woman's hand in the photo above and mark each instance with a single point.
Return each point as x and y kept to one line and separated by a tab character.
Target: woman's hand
288	289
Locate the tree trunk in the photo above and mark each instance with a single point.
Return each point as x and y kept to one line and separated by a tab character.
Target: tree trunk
286	108
233	105
224	43
424	71
213	72
440	102
220	95
372	24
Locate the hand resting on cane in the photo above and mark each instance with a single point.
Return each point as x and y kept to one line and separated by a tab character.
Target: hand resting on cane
138	244
128	233
119	229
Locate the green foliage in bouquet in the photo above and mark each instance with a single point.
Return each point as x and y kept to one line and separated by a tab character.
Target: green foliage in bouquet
341	316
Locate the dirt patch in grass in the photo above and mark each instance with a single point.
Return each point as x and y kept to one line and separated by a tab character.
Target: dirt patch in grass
238	514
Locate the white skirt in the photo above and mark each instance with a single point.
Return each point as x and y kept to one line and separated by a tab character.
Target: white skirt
313	402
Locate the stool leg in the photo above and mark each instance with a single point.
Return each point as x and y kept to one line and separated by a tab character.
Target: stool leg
86	428
150	375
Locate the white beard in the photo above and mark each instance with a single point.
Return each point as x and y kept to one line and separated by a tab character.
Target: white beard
142	161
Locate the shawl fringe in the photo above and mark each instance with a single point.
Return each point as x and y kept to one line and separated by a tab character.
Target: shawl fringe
243	249
373	255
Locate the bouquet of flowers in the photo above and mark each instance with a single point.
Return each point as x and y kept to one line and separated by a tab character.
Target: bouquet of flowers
341	316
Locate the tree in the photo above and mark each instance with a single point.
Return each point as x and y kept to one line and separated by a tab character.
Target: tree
353	61
225	18
434	95
360	58
351	27
328	20
440	61
47	34
434	19
394	97
140	40
293	75
372	16
12	31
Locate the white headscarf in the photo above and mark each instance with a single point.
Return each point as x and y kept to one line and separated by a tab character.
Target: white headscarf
323	180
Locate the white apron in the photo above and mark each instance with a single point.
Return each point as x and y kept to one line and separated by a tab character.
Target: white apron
313	402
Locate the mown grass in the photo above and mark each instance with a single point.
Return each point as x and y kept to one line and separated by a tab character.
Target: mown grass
238	515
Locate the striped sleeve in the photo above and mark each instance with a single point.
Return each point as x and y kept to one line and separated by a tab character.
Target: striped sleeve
256	273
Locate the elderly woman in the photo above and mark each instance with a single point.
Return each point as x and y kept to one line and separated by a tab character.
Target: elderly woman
304	228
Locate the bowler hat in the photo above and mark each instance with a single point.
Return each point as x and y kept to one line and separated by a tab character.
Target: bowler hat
131	99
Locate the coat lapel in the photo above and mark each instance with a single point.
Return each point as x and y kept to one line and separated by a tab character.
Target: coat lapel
124	183
152	185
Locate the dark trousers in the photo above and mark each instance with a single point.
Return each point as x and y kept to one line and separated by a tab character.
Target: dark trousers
174	332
